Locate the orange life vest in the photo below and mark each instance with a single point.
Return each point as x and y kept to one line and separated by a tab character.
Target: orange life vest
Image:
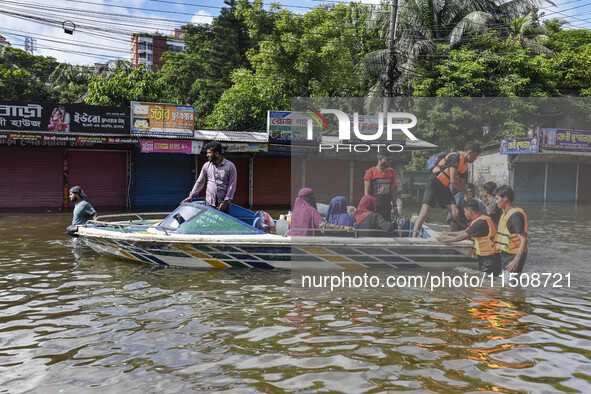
444	172
485	246
507	242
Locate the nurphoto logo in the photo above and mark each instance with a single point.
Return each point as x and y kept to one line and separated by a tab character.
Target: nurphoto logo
395	121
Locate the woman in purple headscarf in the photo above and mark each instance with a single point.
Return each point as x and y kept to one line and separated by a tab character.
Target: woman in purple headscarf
305	216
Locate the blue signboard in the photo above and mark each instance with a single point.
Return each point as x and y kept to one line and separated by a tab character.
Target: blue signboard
519	146
565	139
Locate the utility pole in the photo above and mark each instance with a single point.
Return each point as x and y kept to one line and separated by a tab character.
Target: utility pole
392	73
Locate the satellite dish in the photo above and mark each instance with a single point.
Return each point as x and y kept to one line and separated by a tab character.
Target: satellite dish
69	27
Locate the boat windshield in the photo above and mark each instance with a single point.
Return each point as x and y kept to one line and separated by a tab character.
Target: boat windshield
193	218
182	214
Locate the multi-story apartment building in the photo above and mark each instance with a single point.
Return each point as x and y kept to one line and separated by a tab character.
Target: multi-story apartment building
4	41
148	49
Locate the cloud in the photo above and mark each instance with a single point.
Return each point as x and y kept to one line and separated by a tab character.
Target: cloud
201	17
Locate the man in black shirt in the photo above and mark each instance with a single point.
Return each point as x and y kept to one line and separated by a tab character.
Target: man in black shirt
483	233
450	170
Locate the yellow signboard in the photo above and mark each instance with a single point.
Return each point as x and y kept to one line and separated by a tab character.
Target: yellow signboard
162	119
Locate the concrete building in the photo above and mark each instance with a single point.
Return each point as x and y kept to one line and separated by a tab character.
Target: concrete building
148	49
553	175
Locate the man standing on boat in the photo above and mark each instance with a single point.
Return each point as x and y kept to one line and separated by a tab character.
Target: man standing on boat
512	241
83	210
219	174
450	170
380	182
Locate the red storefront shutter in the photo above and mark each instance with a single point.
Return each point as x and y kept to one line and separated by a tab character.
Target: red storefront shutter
296	177
272	177
31	177
102	176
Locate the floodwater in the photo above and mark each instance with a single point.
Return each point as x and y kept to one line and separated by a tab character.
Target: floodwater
74	321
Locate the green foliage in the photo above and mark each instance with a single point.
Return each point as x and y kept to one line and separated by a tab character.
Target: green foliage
124	86
201	74
312	54
486	67
244	106
25	77
568	39
69	82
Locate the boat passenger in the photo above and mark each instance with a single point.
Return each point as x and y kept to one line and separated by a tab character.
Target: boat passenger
368	219
450	170
83	210
337	214
305	216
219	175
512	240
483	233
380	182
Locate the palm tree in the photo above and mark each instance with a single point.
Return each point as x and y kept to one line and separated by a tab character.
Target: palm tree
526	31
424	24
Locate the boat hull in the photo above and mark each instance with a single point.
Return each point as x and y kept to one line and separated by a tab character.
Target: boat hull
272	251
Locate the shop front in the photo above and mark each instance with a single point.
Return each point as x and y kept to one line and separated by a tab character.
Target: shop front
46	148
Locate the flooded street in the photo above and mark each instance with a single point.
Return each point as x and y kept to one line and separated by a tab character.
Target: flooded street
72	320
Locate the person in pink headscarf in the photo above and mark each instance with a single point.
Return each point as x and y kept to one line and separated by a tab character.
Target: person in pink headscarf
368	219
305	216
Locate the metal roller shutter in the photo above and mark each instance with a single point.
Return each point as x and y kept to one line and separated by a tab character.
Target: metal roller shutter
242	169
562	181
529	181
584	194
328	179
102	176
31	177
272	177
161	180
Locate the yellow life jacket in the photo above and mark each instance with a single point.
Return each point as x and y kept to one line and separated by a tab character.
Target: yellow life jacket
485	246
444	172
507	242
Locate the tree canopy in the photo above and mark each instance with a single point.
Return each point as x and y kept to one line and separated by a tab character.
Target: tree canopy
253	58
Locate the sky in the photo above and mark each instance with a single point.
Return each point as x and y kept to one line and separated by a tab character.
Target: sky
103	28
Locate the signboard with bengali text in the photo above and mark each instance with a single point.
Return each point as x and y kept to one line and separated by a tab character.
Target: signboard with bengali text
288	126
564	139
519	146
171	146
63	118
162	119
34	139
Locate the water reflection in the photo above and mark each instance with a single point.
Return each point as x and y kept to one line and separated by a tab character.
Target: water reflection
76	322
